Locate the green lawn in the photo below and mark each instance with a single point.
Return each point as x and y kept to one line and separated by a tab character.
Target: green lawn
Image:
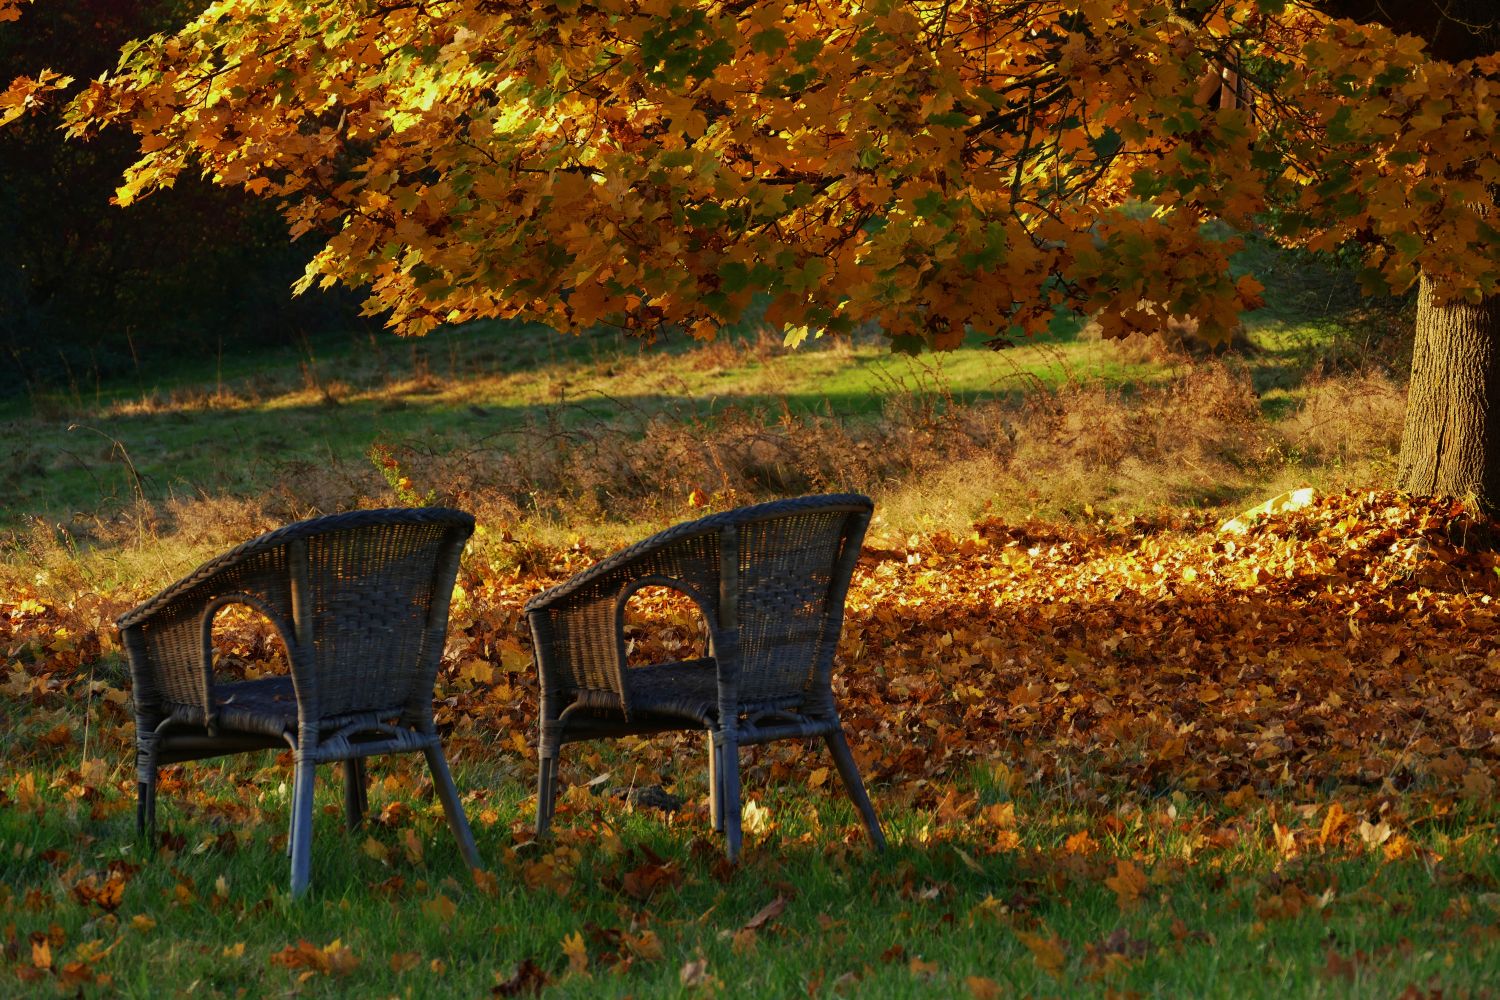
1034	904
185	436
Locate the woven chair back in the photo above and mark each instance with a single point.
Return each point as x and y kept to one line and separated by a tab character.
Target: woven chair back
787	569
372	590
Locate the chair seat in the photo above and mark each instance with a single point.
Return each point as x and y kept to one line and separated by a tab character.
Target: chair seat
267	705
688	688
664	694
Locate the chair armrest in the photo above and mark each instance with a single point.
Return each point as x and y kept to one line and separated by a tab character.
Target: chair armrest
575	642
168	638
578	628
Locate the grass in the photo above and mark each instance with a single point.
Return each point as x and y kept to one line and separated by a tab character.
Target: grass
1228	908
482	386
251	425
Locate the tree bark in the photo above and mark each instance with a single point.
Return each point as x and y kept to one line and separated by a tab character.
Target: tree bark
1450	445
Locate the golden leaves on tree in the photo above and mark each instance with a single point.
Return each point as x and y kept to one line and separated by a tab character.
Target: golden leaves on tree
936	168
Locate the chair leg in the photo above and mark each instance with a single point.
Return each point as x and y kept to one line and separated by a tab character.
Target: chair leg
546	787
302	827
145	812
356	795
442	780
729	792
145	795
849	771
715	800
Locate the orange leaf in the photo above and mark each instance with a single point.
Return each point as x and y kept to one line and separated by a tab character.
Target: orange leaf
440	908
1128	883
1081	842
1046	951
1333	821
981	988
411	844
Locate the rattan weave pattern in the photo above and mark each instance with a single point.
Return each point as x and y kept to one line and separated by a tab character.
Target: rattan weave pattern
770	580
360	601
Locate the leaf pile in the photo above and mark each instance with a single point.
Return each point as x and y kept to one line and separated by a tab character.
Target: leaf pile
1344	650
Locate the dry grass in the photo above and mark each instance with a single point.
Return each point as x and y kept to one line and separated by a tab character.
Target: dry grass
1176	341
1347	418
1196	438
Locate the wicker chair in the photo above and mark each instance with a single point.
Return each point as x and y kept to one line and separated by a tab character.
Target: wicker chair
360	601
770	581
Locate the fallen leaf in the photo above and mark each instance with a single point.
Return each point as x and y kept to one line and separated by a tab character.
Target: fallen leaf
694	973
1333	822
757	818
1046	950
440	908
527	980
766	914
411	845
981	988
1127	883
577	952
922	969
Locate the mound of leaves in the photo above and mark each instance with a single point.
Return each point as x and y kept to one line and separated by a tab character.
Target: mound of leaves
1341	652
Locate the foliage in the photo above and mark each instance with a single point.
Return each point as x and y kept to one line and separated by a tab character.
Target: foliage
1133	755
389	467
936	167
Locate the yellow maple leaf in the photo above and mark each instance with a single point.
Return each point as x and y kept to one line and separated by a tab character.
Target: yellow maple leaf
578	953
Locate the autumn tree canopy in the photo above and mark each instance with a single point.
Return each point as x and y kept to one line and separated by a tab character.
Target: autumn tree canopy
933	166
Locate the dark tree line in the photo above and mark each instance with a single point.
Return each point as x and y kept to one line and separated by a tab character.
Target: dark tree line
90	290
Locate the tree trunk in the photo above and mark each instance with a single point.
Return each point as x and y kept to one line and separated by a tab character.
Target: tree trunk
1450	445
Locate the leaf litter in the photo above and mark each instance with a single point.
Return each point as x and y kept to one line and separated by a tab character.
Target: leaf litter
1337	663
